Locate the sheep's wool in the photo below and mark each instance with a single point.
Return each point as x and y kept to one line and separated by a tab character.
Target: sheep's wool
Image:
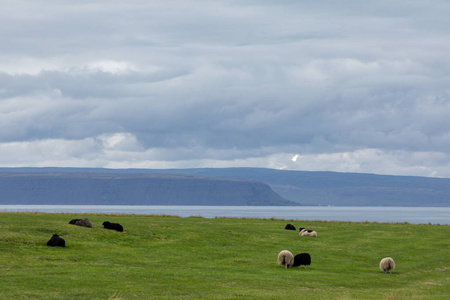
387	264
286	258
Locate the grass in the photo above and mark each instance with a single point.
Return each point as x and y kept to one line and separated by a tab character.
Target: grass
164	257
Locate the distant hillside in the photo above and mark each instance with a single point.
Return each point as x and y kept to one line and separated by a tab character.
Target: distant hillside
316	188
91	188
342	189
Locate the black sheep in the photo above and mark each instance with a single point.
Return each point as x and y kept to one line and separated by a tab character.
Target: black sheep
56	241
113	226
81	222
289	227
302	259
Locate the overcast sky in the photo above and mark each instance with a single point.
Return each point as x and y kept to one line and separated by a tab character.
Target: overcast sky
347	86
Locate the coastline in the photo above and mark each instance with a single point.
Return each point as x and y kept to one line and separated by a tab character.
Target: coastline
411	215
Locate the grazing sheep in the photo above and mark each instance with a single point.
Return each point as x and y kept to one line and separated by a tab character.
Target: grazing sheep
289	227
387	265
286	259
306	232
302	259
113	226
56	241
81	222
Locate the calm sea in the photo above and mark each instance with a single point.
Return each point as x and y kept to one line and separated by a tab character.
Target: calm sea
413	215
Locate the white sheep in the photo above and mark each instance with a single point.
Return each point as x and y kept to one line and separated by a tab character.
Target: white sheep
286	258
387	265
306	232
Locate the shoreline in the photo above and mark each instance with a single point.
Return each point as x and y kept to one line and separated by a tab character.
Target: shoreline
233	218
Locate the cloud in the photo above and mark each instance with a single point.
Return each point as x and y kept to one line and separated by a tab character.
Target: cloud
205	83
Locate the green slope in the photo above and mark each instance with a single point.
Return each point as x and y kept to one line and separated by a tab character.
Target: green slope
162	257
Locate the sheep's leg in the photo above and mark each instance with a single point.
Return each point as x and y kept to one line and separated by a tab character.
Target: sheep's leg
306	267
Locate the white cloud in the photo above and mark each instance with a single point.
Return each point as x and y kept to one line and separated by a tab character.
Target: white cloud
349	87
120	141
111	66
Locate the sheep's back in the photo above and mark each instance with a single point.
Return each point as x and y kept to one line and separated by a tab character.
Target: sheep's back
286	258
387	264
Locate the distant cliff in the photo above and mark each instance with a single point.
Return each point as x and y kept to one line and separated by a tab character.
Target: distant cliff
340	189
99	188
246	186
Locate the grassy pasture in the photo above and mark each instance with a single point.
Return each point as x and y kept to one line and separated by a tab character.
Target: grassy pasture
164	257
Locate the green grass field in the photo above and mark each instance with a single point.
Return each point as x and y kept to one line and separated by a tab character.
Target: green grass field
163	257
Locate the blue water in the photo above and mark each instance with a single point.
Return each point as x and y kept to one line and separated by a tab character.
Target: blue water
413	215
